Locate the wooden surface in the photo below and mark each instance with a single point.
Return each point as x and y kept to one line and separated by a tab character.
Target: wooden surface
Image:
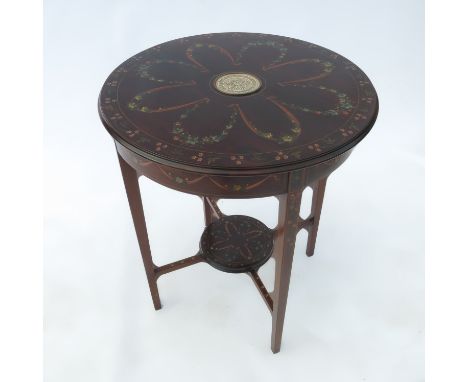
313	104
236	244
237	115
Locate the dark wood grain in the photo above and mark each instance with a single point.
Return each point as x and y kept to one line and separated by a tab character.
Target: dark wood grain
313	104
170	125
236	244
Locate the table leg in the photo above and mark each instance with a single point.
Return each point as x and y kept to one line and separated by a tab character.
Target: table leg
285	241
130	177
317	201
211	210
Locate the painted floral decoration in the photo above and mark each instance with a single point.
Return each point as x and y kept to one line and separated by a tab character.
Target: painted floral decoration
163	102
235	112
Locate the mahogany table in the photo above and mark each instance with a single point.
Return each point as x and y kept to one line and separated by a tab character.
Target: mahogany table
237	115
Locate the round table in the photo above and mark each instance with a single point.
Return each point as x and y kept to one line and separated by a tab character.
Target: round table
237	115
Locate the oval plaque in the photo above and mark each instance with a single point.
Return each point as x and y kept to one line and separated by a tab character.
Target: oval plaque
237	83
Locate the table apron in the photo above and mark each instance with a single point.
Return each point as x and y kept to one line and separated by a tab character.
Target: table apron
225	186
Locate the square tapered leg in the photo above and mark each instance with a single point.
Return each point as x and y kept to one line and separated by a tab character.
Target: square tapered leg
130	178
318	189
285	242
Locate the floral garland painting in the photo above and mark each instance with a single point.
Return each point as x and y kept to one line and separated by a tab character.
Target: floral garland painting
309	101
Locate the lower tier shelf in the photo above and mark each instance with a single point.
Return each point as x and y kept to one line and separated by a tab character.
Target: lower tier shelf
236	244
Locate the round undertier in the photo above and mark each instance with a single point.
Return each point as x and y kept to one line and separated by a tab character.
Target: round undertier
236	244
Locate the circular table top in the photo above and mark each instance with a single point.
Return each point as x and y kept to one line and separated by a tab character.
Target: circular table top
238	102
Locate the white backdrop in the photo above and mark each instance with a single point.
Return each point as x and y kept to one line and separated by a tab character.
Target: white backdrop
355	309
